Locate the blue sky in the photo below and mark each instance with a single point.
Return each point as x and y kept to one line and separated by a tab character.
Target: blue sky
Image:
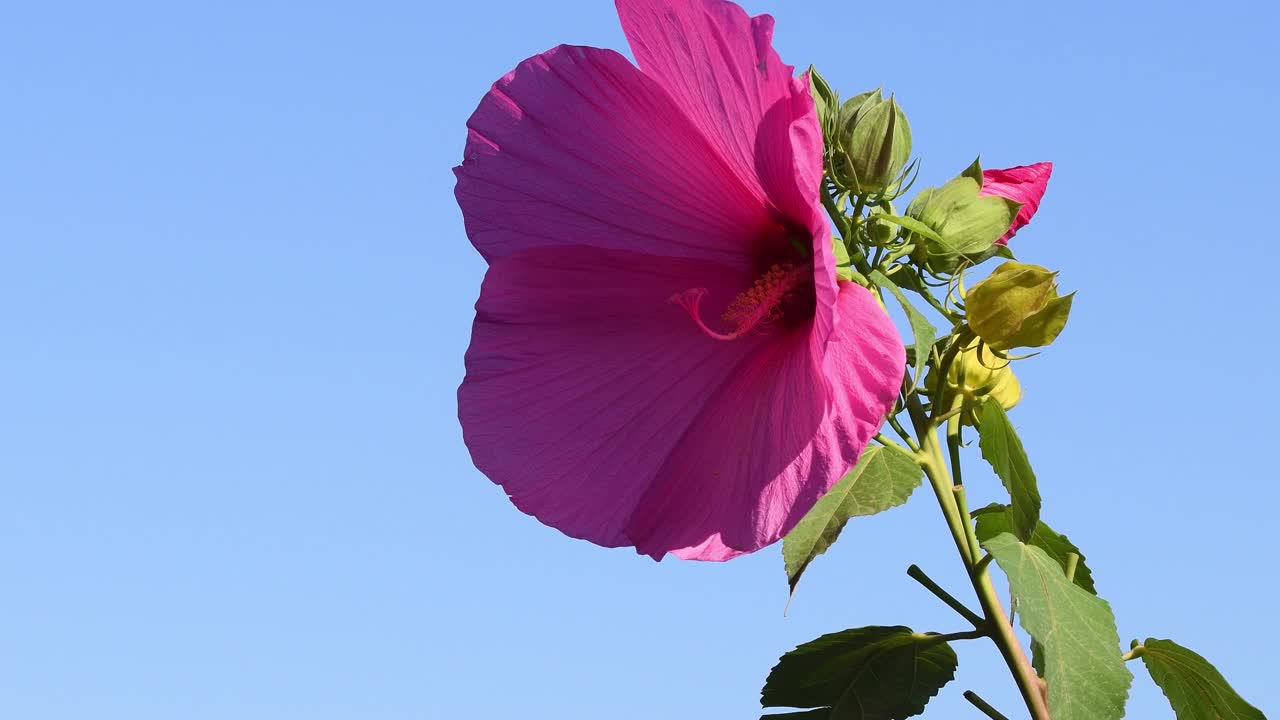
235	293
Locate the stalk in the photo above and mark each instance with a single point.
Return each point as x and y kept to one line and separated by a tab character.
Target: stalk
998	626
951	499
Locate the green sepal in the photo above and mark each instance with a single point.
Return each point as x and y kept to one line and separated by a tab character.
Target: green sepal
867	673
826	100
966	223
1017	306
851	109
1044	326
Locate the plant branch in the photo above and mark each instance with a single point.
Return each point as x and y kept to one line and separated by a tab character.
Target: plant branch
902	433
888	441
962	635
1002	634
919	576
983	705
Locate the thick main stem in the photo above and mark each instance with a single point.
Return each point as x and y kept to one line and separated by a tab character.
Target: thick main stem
999	628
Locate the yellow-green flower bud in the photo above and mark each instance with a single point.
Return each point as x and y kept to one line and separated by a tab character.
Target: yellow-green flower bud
978	374
1017	306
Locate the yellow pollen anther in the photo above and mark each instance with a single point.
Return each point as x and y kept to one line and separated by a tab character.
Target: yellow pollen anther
753	309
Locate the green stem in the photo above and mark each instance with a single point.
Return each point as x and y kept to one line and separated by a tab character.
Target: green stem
962	635
983	705
845	226
947	598
981	567
858	206
1073	561
902	433
935	468
949	414
951	315
970	534
901	251
838	218
888	441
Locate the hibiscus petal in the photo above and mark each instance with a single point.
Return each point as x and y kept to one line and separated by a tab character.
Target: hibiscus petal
719	65
1025	184
577	146
582	375
754	462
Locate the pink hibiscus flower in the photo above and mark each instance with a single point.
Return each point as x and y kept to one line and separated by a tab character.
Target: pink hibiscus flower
662	356
1025	184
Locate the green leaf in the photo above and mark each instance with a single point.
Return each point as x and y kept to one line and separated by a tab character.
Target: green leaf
884	477
923	332
844	271
996	519
939	342
1085	674
1195	688
1002	448
868	673
911	224
974	171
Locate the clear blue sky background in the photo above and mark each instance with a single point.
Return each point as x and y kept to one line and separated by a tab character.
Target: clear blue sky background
235	295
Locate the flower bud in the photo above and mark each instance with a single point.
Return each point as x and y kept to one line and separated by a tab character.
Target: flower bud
881	232
871	144
977	374
1017	306
965	225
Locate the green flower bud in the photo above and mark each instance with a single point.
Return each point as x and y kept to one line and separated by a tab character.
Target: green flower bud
881	232
871	144
1017	306
964	225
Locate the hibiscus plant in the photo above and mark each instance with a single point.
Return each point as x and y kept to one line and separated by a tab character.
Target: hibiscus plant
684	344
